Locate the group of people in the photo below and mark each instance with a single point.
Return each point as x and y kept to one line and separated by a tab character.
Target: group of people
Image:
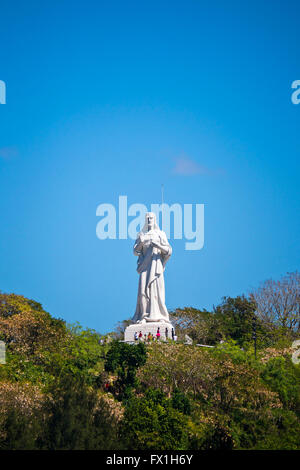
151	337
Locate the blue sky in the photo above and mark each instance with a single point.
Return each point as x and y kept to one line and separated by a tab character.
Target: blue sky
115	98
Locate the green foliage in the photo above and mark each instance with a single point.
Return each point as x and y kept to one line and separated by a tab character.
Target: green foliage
209	433
151	423
233	319
83	354
232	350
277	337
181	402
18	431
21	369
281	434
76	418
231	404
165	396
28	330
283	377
202	326
124	360
236	316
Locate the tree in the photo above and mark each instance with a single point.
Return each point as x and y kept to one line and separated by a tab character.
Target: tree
118	333
20	415
235	315
26	327
181	402
76	418
202	326
125	359
283	377
151	423
231	406
83	354
18	431
278	302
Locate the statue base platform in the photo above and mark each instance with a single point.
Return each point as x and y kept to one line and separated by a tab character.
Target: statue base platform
165	329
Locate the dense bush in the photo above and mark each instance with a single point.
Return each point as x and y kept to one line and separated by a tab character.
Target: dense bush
124	360
151	422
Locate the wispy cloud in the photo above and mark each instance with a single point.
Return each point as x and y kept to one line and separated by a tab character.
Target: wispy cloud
185	166
6	153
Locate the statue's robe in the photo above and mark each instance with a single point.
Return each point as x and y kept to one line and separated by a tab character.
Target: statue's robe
151	265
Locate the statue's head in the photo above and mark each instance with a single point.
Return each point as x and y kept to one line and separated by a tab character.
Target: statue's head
150	223
150	220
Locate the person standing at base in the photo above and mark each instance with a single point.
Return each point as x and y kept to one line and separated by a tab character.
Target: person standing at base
158	334
166	333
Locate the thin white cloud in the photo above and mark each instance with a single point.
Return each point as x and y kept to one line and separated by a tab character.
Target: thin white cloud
186	166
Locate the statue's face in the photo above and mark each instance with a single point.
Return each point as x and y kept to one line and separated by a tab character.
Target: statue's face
150	218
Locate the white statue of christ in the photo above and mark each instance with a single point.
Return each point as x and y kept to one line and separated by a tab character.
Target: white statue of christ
153	249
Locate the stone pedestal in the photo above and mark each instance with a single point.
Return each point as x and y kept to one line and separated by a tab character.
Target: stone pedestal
148	327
